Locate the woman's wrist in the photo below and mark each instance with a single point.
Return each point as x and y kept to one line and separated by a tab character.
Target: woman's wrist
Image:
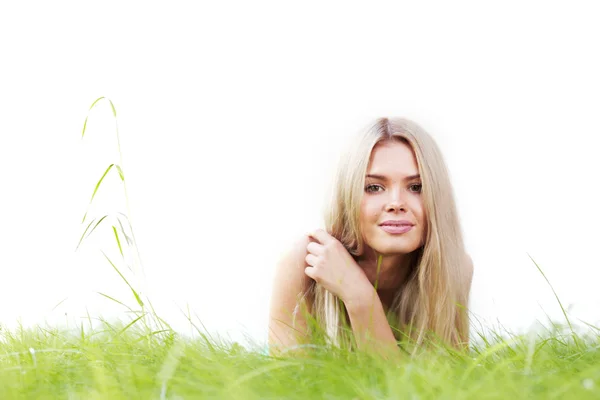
361	297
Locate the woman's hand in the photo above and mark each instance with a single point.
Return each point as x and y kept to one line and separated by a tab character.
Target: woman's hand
331	266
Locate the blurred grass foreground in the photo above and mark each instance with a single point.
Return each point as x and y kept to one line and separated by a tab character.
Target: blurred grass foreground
145	358
119	363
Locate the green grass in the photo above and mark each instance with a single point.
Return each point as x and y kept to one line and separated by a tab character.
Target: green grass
142	357
118	362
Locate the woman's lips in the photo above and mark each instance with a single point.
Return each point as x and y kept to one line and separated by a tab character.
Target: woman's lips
396	229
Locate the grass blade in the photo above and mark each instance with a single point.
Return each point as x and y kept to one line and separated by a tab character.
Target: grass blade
558	300
118	241
130	324
116	301
137	297
84	126
151	334
96	101
59	303
483	355
86	229
113	108
127	238
95	226
86	118
100	181
120	173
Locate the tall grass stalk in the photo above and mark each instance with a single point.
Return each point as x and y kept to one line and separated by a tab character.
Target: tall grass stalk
149	319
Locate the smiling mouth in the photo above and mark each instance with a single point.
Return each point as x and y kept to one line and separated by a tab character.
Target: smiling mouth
396	229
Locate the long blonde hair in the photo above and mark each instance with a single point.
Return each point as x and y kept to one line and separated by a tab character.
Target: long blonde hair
433	300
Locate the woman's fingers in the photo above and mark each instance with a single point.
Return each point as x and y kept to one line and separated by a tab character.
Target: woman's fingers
311	260
315	248
310	272
322	236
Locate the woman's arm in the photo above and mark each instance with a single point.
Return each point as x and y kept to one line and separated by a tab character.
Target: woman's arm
370	326
285	328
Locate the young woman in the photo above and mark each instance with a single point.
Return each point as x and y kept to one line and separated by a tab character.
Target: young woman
390	263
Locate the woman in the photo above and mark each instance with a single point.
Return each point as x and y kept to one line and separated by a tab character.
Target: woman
391	262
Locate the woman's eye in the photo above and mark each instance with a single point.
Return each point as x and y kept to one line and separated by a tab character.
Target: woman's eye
373	188
418	187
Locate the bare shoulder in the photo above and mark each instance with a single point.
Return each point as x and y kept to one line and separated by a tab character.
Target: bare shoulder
297	250
290	266
287	327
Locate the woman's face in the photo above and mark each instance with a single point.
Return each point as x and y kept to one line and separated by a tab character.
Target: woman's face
392	218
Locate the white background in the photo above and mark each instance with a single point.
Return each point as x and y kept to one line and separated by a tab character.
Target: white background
230	118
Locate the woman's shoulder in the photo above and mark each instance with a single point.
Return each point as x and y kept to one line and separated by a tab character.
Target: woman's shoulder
289	286
292	250
296	249
292	263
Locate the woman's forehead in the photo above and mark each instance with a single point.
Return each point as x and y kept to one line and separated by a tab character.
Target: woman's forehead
392	157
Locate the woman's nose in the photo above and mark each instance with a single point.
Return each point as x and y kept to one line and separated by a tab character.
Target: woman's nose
395	203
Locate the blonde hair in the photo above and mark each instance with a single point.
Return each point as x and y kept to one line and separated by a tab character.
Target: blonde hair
433	300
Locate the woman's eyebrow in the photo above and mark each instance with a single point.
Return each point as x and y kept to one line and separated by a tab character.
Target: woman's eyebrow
383	178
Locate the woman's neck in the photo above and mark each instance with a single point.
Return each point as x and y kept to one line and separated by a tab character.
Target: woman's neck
393	273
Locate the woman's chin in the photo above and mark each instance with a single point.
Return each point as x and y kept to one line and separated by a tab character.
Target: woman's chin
391	249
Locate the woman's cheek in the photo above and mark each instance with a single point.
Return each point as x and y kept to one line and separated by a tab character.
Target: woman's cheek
372	216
